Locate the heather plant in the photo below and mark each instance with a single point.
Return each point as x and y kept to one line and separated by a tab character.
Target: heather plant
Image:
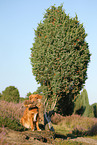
84	132
77	121
2	136
10	115
76	125
93	130
11	94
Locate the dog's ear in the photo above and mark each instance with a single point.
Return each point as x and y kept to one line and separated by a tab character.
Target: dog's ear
36	96
31	97
39	96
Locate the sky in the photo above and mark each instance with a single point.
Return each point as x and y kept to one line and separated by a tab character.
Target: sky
18	19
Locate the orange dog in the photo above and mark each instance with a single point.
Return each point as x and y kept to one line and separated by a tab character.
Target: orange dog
31	113
35	97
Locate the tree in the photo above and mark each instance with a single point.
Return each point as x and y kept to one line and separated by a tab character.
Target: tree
82	106
28	94
0	95
38	91
94	106
60	56
11	94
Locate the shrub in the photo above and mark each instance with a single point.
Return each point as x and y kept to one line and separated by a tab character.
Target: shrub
94	106
28	94
90	112
93	130
0	95
12	124
11	94
81	131
82	106
60	57
10	115
56	118
78	122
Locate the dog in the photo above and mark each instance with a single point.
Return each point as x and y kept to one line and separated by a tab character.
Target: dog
31	114
35	97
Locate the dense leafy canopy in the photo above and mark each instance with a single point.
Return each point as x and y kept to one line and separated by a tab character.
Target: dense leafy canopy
60	55
11	94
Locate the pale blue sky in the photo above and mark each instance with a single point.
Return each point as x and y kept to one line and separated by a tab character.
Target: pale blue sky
18	19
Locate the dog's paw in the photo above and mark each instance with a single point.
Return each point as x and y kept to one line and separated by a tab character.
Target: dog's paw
39	130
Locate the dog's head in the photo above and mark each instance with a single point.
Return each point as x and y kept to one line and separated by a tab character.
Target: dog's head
35	98
29	104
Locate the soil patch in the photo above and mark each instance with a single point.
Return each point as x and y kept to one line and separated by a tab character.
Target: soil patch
37	138
86	140
26	137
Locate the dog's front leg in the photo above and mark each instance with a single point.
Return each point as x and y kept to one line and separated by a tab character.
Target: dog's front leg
37	125
32	127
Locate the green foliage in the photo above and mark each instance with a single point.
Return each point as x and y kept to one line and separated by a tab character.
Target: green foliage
60	56
28	94
90	112
11	94
26	98
85	99
82	106
38	91
12	124
21	99
94	106
0	95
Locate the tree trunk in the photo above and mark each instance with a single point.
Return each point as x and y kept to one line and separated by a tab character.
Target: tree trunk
47	122
47	115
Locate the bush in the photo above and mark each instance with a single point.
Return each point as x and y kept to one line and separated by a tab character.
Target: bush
94	106
60	57
0	95
56	118
11	94
10	115
93	130
12	124
82	106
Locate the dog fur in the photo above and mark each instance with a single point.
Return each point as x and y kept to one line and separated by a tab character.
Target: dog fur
31	114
